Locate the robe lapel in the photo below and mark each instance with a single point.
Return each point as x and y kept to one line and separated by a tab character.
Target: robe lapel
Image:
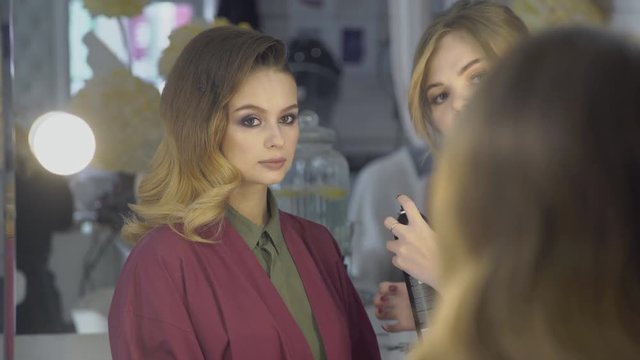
327	313
248	267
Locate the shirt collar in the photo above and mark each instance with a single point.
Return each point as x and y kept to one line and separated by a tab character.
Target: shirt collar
250	232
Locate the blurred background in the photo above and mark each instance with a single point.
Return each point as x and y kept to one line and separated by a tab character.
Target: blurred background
106	62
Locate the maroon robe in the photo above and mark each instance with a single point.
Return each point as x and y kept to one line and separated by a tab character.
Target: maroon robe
178	299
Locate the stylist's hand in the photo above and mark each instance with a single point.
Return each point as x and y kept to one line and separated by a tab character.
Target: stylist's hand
393	307
416	250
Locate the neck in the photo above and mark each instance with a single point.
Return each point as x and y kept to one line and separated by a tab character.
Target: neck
251	202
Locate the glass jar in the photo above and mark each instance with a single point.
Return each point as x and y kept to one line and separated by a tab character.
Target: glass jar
317	185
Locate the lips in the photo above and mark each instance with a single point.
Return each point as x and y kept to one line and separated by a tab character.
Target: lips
273	161
273	164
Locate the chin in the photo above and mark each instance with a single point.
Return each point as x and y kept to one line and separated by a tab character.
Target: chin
275	180
267	180
267	177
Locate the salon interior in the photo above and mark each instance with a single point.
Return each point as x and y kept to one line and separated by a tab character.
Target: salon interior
89	74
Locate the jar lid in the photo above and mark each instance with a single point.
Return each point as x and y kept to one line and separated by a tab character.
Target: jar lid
311	131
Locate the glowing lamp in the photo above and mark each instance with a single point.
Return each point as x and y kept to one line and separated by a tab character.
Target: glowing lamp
63	143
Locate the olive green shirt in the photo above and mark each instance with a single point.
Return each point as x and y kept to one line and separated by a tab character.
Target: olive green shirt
267	243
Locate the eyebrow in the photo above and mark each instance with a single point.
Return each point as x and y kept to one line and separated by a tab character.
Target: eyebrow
460	72
469	64
259	109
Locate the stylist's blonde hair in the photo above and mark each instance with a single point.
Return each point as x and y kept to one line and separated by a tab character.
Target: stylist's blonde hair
536	201
189	180
494	26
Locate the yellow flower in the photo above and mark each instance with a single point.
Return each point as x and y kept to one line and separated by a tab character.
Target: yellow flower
124	114
112	8
179	38
541	14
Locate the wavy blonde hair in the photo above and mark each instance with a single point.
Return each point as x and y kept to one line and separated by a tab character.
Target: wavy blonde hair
536	202
189	181
494	26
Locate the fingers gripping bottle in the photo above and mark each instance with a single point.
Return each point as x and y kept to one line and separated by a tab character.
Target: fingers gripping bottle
421	295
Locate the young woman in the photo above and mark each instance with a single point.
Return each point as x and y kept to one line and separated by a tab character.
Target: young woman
454	54
218	272
536	202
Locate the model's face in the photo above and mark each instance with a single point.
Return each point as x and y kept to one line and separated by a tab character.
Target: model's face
263	128
456	67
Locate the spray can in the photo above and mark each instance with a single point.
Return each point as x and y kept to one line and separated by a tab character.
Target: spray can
421	295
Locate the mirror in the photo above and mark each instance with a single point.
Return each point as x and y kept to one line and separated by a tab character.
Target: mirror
7	181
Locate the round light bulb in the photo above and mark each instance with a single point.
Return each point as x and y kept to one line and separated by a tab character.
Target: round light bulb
63	143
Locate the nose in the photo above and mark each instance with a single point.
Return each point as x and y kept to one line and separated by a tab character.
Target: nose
274	138
461	100
464	94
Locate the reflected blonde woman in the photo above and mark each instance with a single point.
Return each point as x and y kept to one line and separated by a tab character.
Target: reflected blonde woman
536	203
456	51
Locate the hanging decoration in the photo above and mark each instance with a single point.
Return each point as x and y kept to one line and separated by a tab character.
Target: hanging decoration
111	8
123	112
182	35
542	14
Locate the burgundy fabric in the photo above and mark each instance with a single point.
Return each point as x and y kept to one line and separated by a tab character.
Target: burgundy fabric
177	299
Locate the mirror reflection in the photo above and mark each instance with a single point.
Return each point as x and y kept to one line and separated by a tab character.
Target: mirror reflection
106	62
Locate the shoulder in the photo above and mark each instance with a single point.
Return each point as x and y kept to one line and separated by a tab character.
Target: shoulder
393	171
398	159
161	237
161	246
316	238
302	225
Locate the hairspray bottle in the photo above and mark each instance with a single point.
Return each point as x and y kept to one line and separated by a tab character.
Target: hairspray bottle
421	295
